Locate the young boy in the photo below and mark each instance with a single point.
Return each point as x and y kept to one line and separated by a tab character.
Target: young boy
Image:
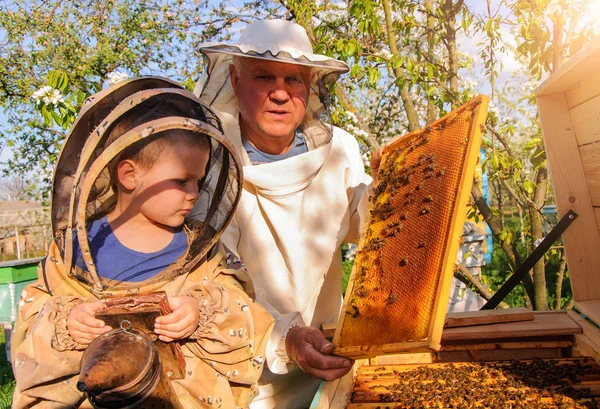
154	201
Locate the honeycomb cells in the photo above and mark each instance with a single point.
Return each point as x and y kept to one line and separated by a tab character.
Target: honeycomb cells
400	261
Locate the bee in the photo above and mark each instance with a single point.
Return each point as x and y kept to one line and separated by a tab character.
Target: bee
404	262
421	245
419	186
375	244
392	298
423	141
428	199
425	210
441	172
403	216
361	291
355	311
429	168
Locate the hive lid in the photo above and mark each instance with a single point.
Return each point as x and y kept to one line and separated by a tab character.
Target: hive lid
397	294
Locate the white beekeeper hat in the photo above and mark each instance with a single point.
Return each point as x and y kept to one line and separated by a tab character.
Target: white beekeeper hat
275	40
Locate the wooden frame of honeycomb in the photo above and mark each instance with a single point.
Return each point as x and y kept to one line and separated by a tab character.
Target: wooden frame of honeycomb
396	298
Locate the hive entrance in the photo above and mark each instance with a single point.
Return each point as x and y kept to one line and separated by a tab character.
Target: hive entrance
410	240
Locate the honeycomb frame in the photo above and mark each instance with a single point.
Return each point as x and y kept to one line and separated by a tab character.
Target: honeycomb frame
397	293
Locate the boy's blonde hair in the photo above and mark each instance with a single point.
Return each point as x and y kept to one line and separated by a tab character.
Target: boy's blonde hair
146	152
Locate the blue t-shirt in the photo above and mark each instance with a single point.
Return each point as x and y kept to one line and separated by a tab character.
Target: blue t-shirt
259	157
116	262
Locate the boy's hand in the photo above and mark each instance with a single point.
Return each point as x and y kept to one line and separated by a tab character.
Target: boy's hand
82	325
182	322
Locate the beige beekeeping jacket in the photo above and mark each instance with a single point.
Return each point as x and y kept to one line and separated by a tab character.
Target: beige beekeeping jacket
225	356
292	219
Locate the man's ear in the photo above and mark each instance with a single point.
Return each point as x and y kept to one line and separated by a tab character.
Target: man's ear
233	76
127	171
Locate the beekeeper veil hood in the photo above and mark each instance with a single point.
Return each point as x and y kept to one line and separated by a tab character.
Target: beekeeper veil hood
82	188
272	40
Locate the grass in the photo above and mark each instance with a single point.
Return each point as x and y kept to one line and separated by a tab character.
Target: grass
7	380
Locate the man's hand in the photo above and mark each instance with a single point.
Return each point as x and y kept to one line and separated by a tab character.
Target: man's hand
82	325
375	162
182	322
312	352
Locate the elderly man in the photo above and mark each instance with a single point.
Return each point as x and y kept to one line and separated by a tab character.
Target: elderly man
303	195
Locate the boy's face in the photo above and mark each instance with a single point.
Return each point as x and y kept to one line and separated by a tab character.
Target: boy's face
168	191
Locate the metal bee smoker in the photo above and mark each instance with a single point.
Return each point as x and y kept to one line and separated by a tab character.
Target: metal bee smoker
122	369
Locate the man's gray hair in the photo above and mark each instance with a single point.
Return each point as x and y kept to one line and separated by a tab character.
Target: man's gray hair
237	64
236	61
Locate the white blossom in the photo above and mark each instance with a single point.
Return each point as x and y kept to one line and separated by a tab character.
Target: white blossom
385	54
115	76
49	95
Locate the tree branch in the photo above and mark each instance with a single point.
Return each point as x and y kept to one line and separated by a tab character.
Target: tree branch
409	106
464	275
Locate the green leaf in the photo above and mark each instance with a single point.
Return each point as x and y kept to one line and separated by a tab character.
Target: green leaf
350	48
80	97
494	161
59	80
528	186
47	116
396	61
57	118
517	175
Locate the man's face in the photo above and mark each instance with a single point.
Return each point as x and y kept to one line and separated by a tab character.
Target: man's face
272	97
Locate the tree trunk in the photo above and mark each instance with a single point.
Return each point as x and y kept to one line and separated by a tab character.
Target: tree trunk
537	234
431	108
464	275
559	280
513	256
450	34
409	106
569	303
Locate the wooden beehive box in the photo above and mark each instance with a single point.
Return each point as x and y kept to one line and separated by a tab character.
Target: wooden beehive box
569	108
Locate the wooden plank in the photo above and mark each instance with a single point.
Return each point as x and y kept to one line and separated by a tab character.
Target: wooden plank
590	159
464	319
366	369
586	121
582	65
590	309
328	329
482	355
585	90
404	359
587	343
582	239
558	323
597	214
371	351
507	345
335	394
457	222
